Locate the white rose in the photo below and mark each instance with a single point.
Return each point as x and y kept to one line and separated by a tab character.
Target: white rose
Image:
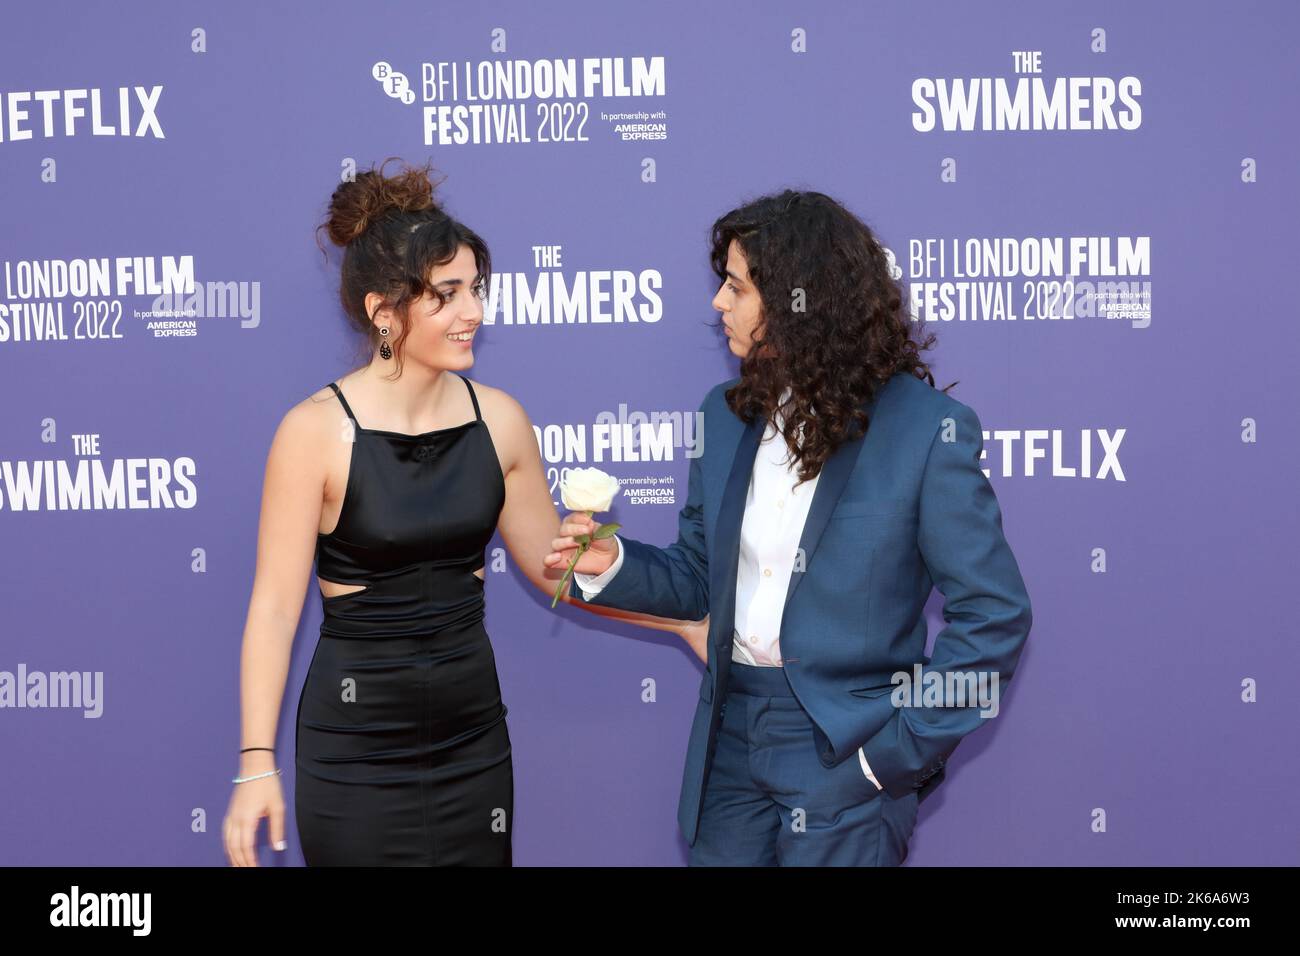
588	489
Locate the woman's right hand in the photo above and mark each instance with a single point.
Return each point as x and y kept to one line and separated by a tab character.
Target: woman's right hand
249	803
598	557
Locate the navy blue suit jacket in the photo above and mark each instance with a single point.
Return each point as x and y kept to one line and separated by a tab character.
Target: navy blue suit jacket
895	513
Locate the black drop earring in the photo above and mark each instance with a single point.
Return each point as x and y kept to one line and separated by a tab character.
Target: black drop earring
384	350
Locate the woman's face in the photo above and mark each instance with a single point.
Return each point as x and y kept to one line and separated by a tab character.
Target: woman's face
739	303
433	325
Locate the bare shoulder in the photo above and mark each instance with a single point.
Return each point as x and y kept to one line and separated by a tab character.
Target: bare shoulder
511	428
501	407
307	427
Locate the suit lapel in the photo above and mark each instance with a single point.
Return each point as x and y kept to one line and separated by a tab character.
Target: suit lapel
722	572
831	483
830	486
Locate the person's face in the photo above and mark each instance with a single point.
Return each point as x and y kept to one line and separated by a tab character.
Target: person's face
739	303
430	341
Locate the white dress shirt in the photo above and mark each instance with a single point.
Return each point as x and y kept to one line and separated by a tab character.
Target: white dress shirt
775	511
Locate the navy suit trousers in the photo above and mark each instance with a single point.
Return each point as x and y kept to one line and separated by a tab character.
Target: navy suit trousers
770	801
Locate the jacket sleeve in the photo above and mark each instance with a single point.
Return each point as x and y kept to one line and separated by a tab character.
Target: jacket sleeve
986	608
670	582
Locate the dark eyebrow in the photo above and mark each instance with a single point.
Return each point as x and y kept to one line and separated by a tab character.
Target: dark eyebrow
734	276
449	282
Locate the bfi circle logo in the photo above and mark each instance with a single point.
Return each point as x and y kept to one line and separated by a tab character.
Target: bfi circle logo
395	84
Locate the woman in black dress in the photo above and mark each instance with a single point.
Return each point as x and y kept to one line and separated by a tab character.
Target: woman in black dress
394	478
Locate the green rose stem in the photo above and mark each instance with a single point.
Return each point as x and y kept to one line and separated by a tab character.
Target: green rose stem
584	542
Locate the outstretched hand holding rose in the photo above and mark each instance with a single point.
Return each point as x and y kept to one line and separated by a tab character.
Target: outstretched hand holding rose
585	544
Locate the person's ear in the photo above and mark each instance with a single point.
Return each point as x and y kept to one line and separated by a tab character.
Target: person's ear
380	314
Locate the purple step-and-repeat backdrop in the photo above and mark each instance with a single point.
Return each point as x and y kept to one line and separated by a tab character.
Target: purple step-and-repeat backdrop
1089	204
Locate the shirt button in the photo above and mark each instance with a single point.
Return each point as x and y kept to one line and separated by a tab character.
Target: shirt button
780	503
753	638
767	572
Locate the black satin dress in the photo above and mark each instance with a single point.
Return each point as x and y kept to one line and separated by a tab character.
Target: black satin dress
403	756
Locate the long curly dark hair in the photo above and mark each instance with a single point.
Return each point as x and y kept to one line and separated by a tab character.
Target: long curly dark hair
852	334
393	234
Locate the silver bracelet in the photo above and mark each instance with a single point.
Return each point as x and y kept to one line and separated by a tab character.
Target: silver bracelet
256	776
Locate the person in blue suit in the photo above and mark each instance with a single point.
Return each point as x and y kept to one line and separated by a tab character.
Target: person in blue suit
837	486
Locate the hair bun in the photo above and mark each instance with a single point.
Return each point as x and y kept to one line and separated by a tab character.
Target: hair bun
372	195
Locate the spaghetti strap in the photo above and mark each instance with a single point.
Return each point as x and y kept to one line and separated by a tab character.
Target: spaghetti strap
478	416
346	408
